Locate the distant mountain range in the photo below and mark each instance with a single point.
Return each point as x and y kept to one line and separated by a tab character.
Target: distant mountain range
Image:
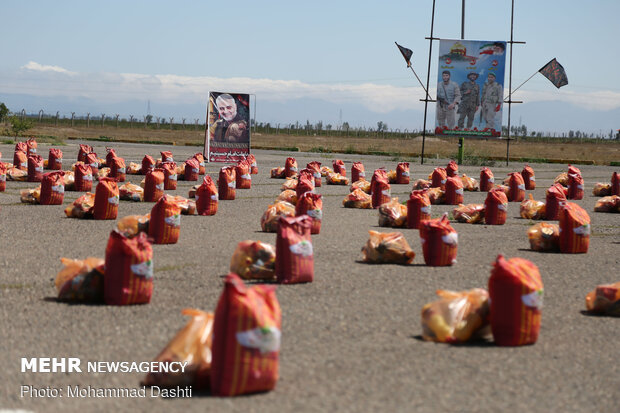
547	117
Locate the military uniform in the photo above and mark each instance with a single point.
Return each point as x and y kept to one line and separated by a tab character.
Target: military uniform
492	95
470	92
447	95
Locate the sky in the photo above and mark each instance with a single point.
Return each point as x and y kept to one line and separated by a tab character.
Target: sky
336	54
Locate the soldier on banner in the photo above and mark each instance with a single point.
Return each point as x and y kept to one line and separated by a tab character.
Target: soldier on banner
470	92
448	98
492	97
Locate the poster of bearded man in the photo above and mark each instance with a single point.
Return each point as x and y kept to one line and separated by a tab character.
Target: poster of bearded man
227	136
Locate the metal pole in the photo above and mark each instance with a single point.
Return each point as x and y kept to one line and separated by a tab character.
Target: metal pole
461	138
463	20
428	78
512	18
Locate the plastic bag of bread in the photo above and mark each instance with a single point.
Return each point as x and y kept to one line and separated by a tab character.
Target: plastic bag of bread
132	225
254	260
133	168
393	214
469	214
277	172
289	196
421	184
469	183
604	299
601	189
362	184
544	237
357	199
30	196
436	195
16	174
457	317
191	345
532	209
69	181
608	204
81	207
561	179
192	191
387	248
80	280
391	175
289	183
326	170
131	192
187	206
504	188
270	218
336	179
102	173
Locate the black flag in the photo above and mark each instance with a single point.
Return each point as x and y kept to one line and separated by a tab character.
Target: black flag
555	73
407	53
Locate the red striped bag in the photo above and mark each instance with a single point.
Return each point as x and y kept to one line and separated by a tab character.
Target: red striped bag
165	222
516	192
294	254
311	204
452	169
106	199
93	161
438	178
246	339
305	183
516	296
528	177
83	178
117	169
154	185
575	187
339	167
54	159
206	197
192	167
242	175
380	188
3	168
487	180
439	242
166	156
170	175
201	163
35	168
315	167
290	168
148	163
52	188
615	183
357	172
128	275
253	165
454	191
226	183
555	199
83	152
20	160
418	208
495	207
31	146
402	173
111	154
574	229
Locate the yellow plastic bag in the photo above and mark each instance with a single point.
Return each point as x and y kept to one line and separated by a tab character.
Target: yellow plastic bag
544	237
393	214
254	260
80	280
387	248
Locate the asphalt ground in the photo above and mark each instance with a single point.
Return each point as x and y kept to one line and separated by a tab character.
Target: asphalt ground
350	340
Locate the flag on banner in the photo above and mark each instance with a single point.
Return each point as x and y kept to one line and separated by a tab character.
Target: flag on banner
407	53
555	73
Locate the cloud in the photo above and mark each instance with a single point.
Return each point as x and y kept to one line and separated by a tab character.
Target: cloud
45	68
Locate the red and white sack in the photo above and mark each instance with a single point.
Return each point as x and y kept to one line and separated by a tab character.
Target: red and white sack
452	169
516	193
243	178
206	197
128	275
170	175
516	296
290	168
154	185
3	169
454	191
165	222
201	163
615	183
83	178
487	180
528	178
575	187
380	188
294	253
106	199
495	207
402	173
439	242
226	183
253	164
192	167
111	154
118	169
305	183
166	156
92	160
83	152
35	168
357	172
52	188
554	200
311	204
54	159
148	163
31	146
438	178
574	229
418	208
315	167
339	167
20	160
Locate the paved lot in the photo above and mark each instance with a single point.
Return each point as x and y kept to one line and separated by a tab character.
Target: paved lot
351	340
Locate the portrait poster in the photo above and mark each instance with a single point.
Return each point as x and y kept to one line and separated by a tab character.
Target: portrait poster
227	136
470	91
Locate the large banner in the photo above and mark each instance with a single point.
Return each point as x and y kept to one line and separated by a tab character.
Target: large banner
227	137
470	90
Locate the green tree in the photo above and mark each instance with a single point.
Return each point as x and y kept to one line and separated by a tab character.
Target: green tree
18	126
4	111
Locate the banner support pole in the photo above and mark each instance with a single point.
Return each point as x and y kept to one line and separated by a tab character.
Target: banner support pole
428	78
